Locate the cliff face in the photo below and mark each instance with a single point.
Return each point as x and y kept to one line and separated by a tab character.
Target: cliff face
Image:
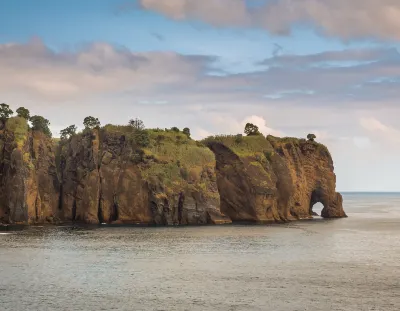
29	187
121	176
107	177
262	180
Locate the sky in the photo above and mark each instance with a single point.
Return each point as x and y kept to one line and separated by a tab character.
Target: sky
292	67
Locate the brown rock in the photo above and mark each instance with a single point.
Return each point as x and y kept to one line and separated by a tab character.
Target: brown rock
277	180
28	182
107	178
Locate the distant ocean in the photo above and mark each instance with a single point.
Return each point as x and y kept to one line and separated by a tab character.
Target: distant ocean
343	264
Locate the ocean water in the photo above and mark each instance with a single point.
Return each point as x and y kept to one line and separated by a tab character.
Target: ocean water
343	264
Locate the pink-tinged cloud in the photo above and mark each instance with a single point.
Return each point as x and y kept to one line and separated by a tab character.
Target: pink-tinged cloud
341	18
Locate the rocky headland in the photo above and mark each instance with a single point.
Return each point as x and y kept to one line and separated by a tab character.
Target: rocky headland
125	175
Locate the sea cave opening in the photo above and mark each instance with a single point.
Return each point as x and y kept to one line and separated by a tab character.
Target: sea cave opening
316	209
316	205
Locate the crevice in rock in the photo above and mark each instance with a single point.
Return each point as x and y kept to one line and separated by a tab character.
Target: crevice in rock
36	209
154	211
60	197
100	214
31	149
61	188
180	207
73	216
115	209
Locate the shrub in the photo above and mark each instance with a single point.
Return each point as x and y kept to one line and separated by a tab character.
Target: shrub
142	138
311	137
41	124
186	131
238	138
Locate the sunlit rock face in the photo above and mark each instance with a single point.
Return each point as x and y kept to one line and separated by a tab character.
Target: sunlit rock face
108	176
274	179
29	185
117	175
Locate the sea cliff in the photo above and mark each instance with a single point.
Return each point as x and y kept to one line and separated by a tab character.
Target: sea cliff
119	175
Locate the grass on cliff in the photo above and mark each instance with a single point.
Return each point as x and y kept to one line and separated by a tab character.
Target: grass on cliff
168	145
18	126
243	146
180	160
172	158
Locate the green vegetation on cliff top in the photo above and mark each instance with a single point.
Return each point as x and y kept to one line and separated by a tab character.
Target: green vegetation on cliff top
19	127
242	145
180	161
170	157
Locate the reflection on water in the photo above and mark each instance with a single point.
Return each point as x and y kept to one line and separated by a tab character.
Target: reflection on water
345	264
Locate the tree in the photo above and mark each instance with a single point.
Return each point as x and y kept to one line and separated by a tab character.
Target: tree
41	124
250	129
5	112
175	129
186	131
91	122
23	113
311	137
68	132
137	124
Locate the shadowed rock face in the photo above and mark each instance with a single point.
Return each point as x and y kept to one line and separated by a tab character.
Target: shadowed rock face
279	181
104	176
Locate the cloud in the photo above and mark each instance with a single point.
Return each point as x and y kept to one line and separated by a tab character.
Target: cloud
381	131
340	18
167	78
349	55
204	10
229	124
158	36
362	142
98	68
262	125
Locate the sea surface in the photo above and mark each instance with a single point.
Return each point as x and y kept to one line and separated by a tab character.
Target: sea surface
343	264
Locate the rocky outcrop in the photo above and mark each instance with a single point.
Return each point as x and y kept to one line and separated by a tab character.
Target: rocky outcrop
273	179
118	175
29	186
108	178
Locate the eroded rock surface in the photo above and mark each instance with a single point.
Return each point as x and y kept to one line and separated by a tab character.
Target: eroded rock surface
118	175
107	177
29	186
275	179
